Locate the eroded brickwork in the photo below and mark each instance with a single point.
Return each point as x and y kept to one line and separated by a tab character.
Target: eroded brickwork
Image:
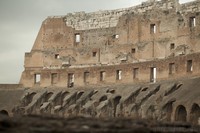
154	41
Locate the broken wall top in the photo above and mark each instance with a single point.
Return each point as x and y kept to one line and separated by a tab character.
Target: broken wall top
109	18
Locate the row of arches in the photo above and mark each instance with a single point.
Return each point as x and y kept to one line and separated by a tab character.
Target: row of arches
182	114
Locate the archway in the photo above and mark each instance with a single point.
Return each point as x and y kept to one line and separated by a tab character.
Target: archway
195	113
4	112
181	114
116	101
167	111
63	95
29	98
151	112
47	96
79	94
103	98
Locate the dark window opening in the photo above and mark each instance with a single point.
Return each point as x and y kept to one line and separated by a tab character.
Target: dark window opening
4	112
171	68
116	36
57	56
135	73
153	28
172	46
192	22
70	80
181	114
86	77
189	66
119	74
54	78
94	54
37	78
133	50
102	75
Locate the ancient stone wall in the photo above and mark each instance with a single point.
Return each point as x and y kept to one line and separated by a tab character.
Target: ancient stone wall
176	100
147	32
10	86
164	69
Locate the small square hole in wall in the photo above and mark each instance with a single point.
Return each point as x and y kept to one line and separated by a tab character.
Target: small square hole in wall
172	46
133	50
94	54
116	36
57	56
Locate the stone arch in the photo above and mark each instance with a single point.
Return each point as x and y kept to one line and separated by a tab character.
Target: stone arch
47	96
151	112
103	98
116	101
167	110
79	94
28	98
112	91
4	112
181	114
195	113
63	95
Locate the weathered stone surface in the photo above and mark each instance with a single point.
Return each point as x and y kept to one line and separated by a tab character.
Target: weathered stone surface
36	124
165	101
138	62
73	50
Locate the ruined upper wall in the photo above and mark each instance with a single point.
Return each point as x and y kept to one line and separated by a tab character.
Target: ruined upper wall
193	6
109	18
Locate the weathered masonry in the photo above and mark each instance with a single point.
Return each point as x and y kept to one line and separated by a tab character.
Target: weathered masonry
149	71
154	41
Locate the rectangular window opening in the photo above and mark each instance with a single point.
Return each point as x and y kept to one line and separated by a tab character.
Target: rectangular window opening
192	22
135	73
153	75
153	28
54	78
172	46
86	77
116	36
172	68
189	66
57	56
133	50
119	74
70	80
102	75
37	78
77	38
94	54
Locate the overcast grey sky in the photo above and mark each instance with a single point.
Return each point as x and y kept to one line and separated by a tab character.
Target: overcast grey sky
20	21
